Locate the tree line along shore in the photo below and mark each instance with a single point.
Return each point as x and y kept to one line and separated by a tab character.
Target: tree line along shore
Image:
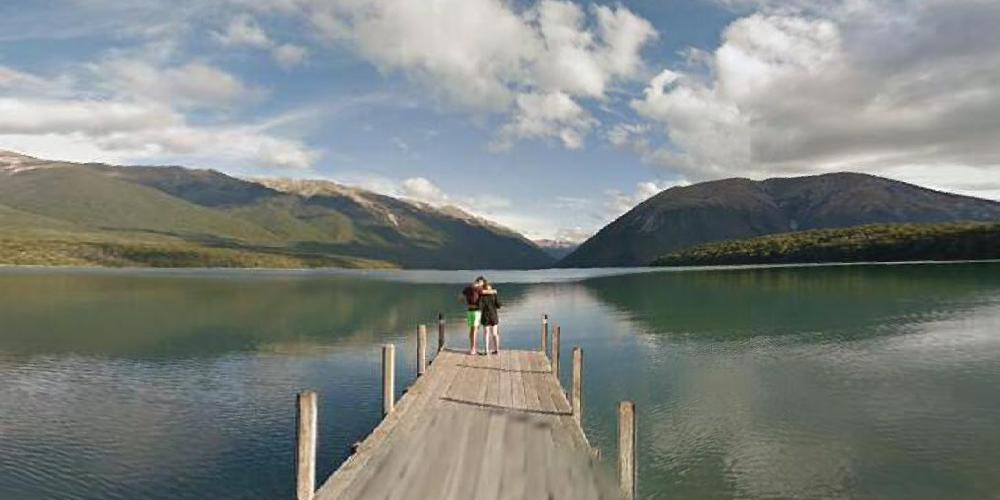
868	243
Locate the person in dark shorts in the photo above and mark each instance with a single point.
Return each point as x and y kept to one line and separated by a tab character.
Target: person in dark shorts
489	305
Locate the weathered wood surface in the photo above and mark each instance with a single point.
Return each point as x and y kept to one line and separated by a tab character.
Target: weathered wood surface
305	459
626	449
484	427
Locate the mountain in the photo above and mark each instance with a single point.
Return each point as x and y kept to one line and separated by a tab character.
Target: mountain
557	249
96	214
733	209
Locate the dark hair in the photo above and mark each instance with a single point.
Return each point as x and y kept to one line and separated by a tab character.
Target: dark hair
486	284
481	279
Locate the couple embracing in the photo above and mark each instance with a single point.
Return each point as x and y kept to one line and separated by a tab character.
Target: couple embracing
482	303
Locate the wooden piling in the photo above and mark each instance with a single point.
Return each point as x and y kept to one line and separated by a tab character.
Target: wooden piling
555	350
545	334
626	449
305	459
388	378
421	350
577	400
440	332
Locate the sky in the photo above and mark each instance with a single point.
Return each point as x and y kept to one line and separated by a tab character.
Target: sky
551	117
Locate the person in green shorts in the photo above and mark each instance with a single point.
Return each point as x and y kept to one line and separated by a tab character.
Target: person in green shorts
473	316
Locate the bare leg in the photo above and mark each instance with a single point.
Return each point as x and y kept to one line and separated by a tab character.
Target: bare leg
496	338
486	339
472	340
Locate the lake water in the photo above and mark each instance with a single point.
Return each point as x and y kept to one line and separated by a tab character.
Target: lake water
819	382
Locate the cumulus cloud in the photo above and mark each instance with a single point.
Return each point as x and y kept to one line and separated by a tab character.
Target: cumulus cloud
45	116
806	87
553	115
131	110
536	63
192	84
289	56
243	30
619	202
423	190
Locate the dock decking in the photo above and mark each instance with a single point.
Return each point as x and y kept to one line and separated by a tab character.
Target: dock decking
474	426
480	427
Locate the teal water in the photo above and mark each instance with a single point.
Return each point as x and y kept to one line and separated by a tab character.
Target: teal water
813	382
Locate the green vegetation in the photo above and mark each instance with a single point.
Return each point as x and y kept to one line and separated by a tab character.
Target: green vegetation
88	250
870	243
98	215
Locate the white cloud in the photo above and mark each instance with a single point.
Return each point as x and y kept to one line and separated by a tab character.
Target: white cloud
573	234
208	145
423	190
243	30
546	115
628	134
10	77
47	116
805	87
536	63
288	55
131	111
619	202
193	84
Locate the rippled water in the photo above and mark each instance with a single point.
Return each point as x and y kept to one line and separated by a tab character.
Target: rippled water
857	381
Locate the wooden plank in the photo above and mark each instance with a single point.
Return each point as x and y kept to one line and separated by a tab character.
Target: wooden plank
545	334
541	380
354	469
577	394
469	460
490	468
441	339
506	385
556	351
429	453
517	381
512	470
421	350
388	378
475	427
538	458
493	382
626	449
306	455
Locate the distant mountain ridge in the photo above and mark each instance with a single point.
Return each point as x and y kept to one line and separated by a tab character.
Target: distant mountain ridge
734	209
557	248
125	213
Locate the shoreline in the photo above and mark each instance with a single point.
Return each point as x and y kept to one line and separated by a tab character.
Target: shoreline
390	271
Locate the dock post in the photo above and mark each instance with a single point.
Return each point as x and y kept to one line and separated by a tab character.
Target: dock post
388	378
545	334
440	332
626	449
578	386
305	458
421	350
555	350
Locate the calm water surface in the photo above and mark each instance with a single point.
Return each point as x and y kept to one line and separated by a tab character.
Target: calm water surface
818	382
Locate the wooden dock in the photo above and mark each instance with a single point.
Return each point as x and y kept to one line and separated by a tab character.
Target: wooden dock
472	427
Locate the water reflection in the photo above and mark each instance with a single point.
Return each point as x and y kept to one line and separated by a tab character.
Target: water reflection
764	383
851	301
171	316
